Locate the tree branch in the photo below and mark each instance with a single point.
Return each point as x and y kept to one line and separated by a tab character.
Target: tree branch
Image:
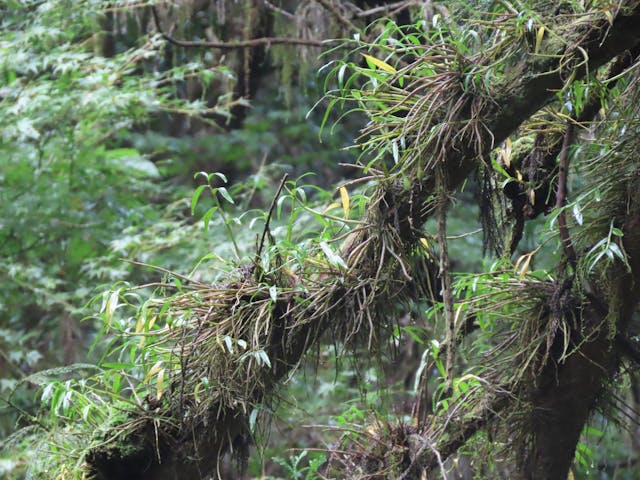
567	246
392	7
279	10
266	223
445	277
291	328
254	42
591	108
589	111
328	4
423	458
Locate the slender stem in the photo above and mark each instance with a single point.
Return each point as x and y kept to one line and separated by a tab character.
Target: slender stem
266	223
225	220
561	195
445	277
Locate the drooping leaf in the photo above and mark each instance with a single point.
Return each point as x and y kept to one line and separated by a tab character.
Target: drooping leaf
382	65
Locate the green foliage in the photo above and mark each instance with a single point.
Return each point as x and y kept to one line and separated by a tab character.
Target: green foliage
82	186
294	470
141	328
75	195
94	172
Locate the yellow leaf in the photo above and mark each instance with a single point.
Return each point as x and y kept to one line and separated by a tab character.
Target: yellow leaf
196	393
64	473
331	207
525	267
539	37
519	175
373	430
344	195
518	262
506	153
111	305
155	369
152	322
457	315
424	242
525	261
379	63
160	384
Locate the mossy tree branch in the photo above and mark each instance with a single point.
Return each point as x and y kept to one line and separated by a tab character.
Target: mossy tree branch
375	257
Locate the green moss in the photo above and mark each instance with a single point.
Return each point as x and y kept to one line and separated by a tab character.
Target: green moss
521	148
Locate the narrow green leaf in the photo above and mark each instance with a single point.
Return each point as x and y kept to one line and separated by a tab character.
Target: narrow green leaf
252	419
228	343
577	213
264	357
195	197
221	176
206	218
225	194
334	258
116	365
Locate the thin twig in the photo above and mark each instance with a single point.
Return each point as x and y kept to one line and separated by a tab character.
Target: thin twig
279	10
22	411
561	196
464	235
394	7
445	276
436	454
163	270
266	223
328	4
254	42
